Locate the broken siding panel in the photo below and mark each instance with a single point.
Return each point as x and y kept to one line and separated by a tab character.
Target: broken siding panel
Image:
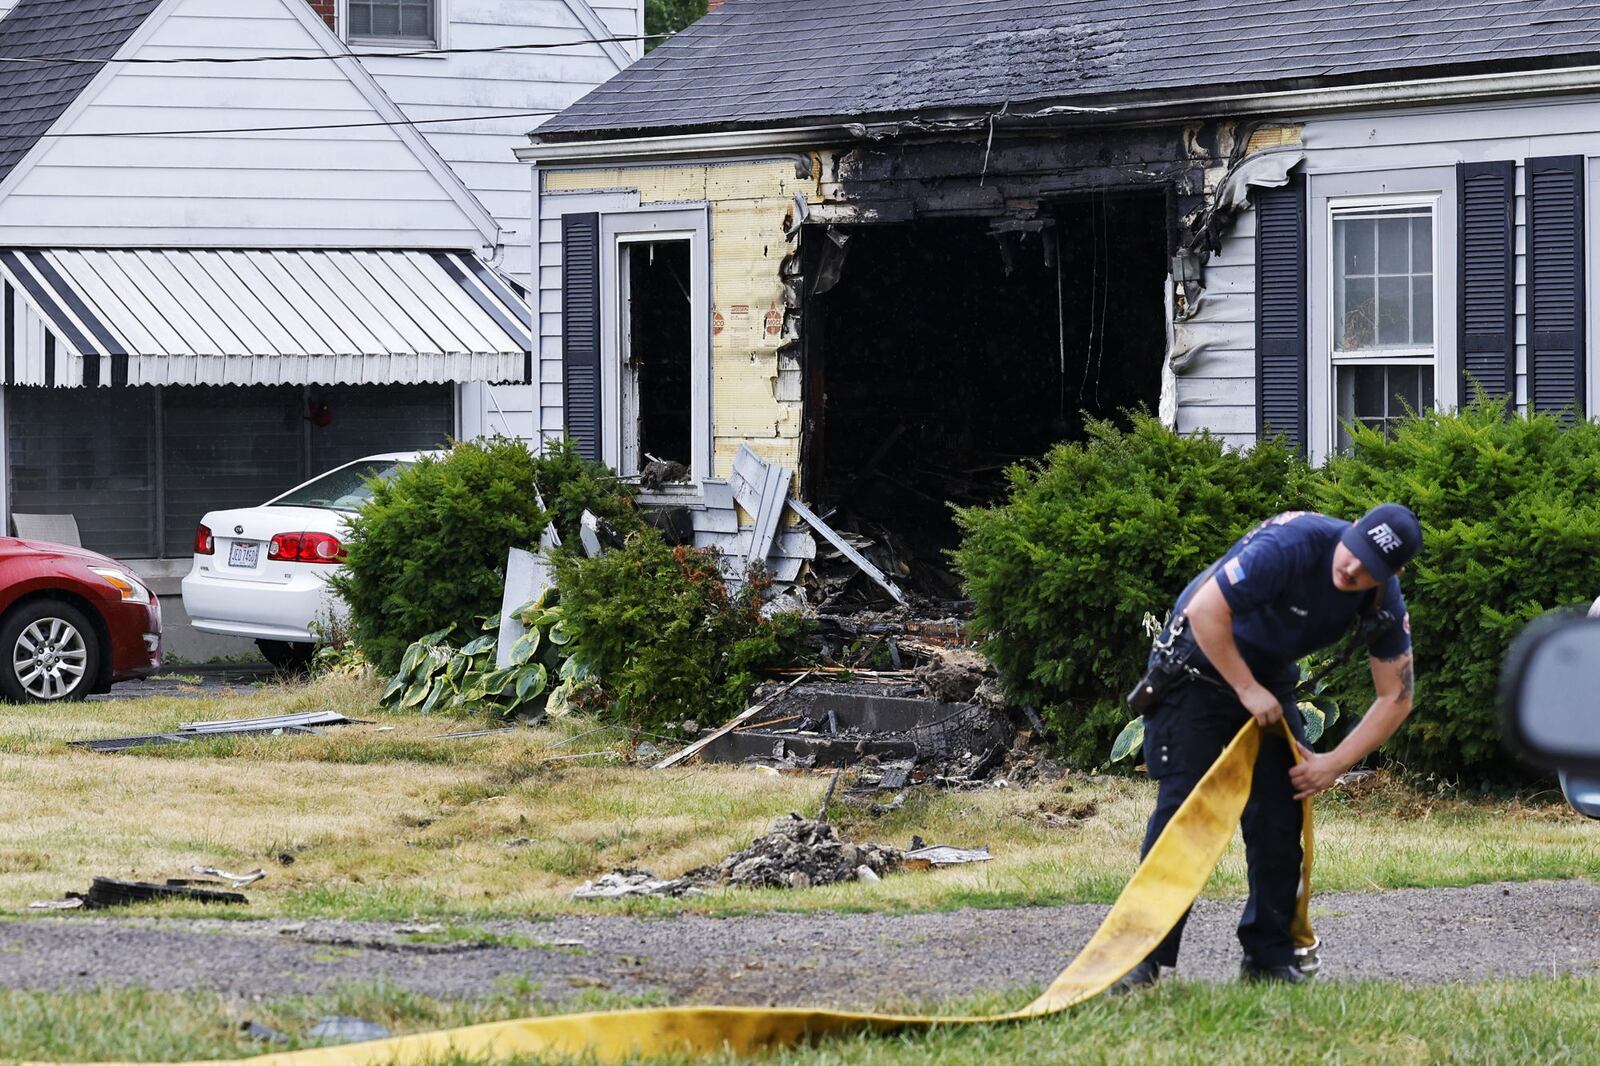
1219	341
749	202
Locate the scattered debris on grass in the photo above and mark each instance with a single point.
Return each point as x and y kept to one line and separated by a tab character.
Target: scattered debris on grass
944	855
237	880
263	1033
801	852
340	1029
110	892
303	724
620	883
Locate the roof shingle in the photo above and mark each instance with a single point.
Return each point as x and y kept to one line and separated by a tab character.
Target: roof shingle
762	62
36	94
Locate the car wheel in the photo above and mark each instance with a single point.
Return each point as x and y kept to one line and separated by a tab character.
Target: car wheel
287	655
51	651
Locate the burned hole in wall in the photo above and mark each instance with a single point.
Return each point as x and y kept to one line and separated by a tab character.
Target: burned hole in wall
943	351
657	393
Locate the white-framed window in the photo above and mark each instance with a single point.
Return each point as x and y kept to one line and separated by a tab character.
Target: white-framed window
396	23
1383	334
655	298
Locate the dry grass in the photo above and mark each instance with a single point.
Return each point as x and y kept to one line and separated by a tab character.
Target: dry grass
384	820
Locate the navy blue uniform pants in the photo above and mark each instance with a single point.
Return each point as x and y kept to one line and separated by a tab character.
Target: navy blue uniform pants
1183	736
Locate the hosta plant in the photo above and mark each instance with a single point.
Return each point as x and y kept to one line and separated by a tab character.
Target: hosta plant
436	675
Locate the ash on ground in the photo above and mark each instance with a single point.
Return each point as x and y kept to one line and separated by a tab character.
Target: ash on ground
798	853
801	852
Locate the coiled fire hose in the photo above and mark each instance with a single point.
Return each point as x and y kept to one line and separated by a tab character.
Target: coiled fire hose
1160	891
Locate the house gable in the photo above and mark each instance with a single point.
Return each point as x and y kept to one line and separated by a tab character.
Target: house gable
105	175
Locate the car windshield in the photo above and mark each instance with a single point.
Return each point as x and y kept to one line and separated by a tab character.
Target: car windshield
344	489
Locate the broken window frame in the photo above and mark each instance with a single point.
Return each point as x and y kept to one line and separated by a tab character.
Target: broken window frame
1333	195
618	229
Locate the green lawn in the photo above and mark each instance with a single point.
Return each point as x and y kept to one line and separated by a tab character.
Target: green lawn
1546	1020
385	820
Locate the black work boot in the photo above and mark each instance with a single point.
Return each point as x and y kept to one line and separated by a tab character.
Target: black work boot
1288	974
1143	975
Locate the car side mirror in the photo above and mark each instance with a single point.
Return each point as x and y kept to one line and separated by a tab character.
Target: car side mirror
1550	694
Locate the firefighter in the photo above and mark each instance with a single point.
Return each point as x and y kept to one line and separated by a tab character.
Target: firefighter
1293	585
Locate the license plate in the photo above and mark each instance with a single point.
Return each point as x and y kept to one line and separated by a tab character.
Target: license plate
243	554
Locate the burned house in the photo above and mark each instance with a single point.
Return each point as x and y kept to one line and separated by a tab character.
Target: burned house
898	248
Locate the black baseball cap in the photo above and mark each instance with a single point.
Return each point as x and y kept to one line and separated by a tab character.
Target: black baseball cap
1384	539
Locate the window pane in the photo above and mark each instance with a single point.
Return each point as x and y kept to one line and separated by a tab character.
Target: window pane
1379	396
1355	236
1368	390
1394	309
1394	246
1405	390
414	21
386	20
1422	245
1359	315
1422	310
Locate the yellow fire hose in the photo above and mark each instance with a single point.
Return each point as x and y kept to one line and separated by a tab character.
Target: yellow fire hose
1161	890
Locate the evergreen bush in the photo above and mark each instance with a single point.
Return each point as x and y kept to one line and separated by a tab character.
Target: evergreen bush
428	551
1092	538
657	628
1510	511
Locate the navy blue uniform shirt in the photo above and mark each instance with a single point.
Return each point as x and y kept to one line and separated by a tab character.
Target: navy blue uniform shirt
1278	581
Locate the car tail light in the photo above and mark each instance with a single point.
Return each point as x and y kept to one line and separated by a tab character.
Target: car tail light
203	544
305	548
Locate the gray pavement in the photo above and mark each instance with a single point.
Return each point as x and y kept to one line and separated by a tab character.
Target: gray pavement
843	960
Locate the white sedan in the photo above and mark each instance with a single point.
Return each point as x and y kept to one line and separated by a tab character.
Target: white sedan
262	572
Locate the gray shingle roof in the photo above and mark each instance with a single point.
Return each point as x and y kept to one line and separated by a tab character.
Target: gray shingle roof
765	62
36	94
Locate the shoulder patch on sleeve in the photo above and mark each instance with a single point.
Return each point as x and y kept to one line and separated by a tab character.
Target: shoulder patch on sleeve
1235	571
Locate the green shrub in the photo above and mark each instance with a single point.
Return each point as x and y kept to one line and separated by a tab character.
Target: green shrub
656	627
1093	537
1510	512
428	552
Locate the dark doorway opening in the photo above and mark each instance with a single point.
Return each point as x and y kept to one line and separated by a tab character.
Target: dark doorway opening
657	394
945	351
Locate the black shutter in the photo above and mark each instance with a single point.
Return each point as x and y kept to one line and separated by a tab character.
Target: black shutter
580	330
1488	280
1555	284
1281	313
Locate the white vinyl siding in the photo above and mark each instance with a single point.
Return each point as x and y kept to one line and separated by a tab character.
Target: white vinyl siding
352	187
525	87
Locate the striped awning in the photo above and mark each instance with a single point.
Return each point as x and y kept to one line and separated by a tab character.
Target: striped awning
77	317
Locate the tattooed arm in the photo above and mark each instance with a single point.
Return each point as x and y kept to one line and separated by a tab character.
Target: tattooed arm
1394	681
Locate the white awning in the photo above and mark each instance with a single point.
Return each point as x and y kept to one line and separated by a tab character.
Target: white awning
77	317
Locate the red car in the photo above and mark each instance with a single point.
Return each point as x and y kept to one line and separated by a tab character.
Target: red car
71	622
